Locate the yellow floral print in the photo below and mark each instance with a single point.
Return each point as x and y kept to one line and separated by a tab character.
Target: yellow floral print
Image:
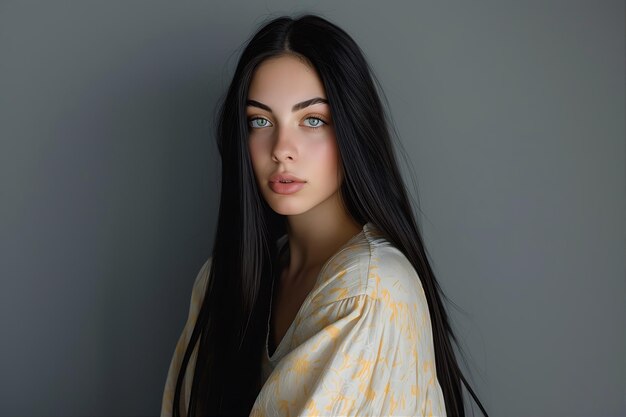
360	345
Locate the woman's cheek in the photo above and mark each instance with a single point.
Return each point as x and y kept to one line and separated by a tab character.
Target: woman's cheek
255	146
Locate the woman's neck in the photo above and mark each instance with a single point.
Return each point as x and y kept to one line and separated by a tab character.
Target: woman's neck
316	235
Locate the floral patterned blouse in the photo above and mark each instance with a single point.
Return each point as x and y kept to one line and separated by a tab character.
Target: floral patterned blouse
360	345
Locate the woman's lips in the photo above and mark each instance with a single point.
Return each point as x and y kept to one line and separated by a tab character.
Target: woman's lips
286	188
285	176
285	183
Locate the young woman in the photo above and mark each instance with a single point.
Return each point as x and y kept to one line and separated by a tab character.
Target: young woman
318	298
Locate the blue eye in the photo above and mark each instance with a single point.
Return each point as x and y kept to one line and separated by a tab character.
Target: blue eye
262	122
317	122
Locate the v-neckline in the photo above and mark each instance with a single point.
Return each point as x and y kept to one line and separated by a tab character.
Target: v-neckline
278	348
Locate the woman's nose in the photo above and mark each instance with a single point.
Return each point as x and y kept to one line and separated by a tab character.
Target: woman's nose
284	147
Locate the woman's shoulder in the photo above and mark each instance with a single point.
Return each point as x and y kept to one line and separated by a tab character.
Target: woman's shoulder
199	287
390	274
203	275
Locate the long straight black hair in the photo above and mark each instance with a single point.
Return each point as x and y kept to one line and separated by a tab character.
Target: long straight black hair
232	321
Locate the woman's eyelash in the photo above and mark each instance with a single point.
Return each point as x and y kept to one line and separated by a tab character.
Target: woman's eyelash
252	119
316	118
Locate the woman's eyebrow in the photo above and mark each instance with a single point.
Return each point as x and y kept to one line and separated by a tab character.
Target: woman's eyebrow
296	107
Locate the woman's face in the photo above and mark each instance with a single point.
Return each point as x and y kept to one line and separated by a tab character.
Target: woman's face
291	134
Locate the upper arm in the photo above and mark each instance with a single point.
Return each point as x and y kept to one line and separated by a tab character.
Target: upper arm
197	295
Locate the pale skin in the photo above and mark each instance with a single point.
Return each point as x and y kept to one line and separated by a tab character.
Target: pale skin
302	143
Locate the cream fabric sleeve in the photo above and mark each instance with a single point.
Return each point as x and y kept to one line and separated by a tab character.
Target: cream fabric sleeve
364	355
197	295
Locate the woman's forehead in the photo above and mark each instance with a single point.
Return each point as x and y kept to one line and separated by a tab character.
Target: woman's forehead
285	80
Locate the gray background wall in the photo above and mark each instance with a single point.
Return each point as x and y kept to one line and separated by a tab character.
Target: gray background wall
511	114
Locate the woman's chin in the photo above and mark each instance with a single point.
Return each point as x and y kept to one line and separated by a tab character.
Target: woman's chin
286	211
